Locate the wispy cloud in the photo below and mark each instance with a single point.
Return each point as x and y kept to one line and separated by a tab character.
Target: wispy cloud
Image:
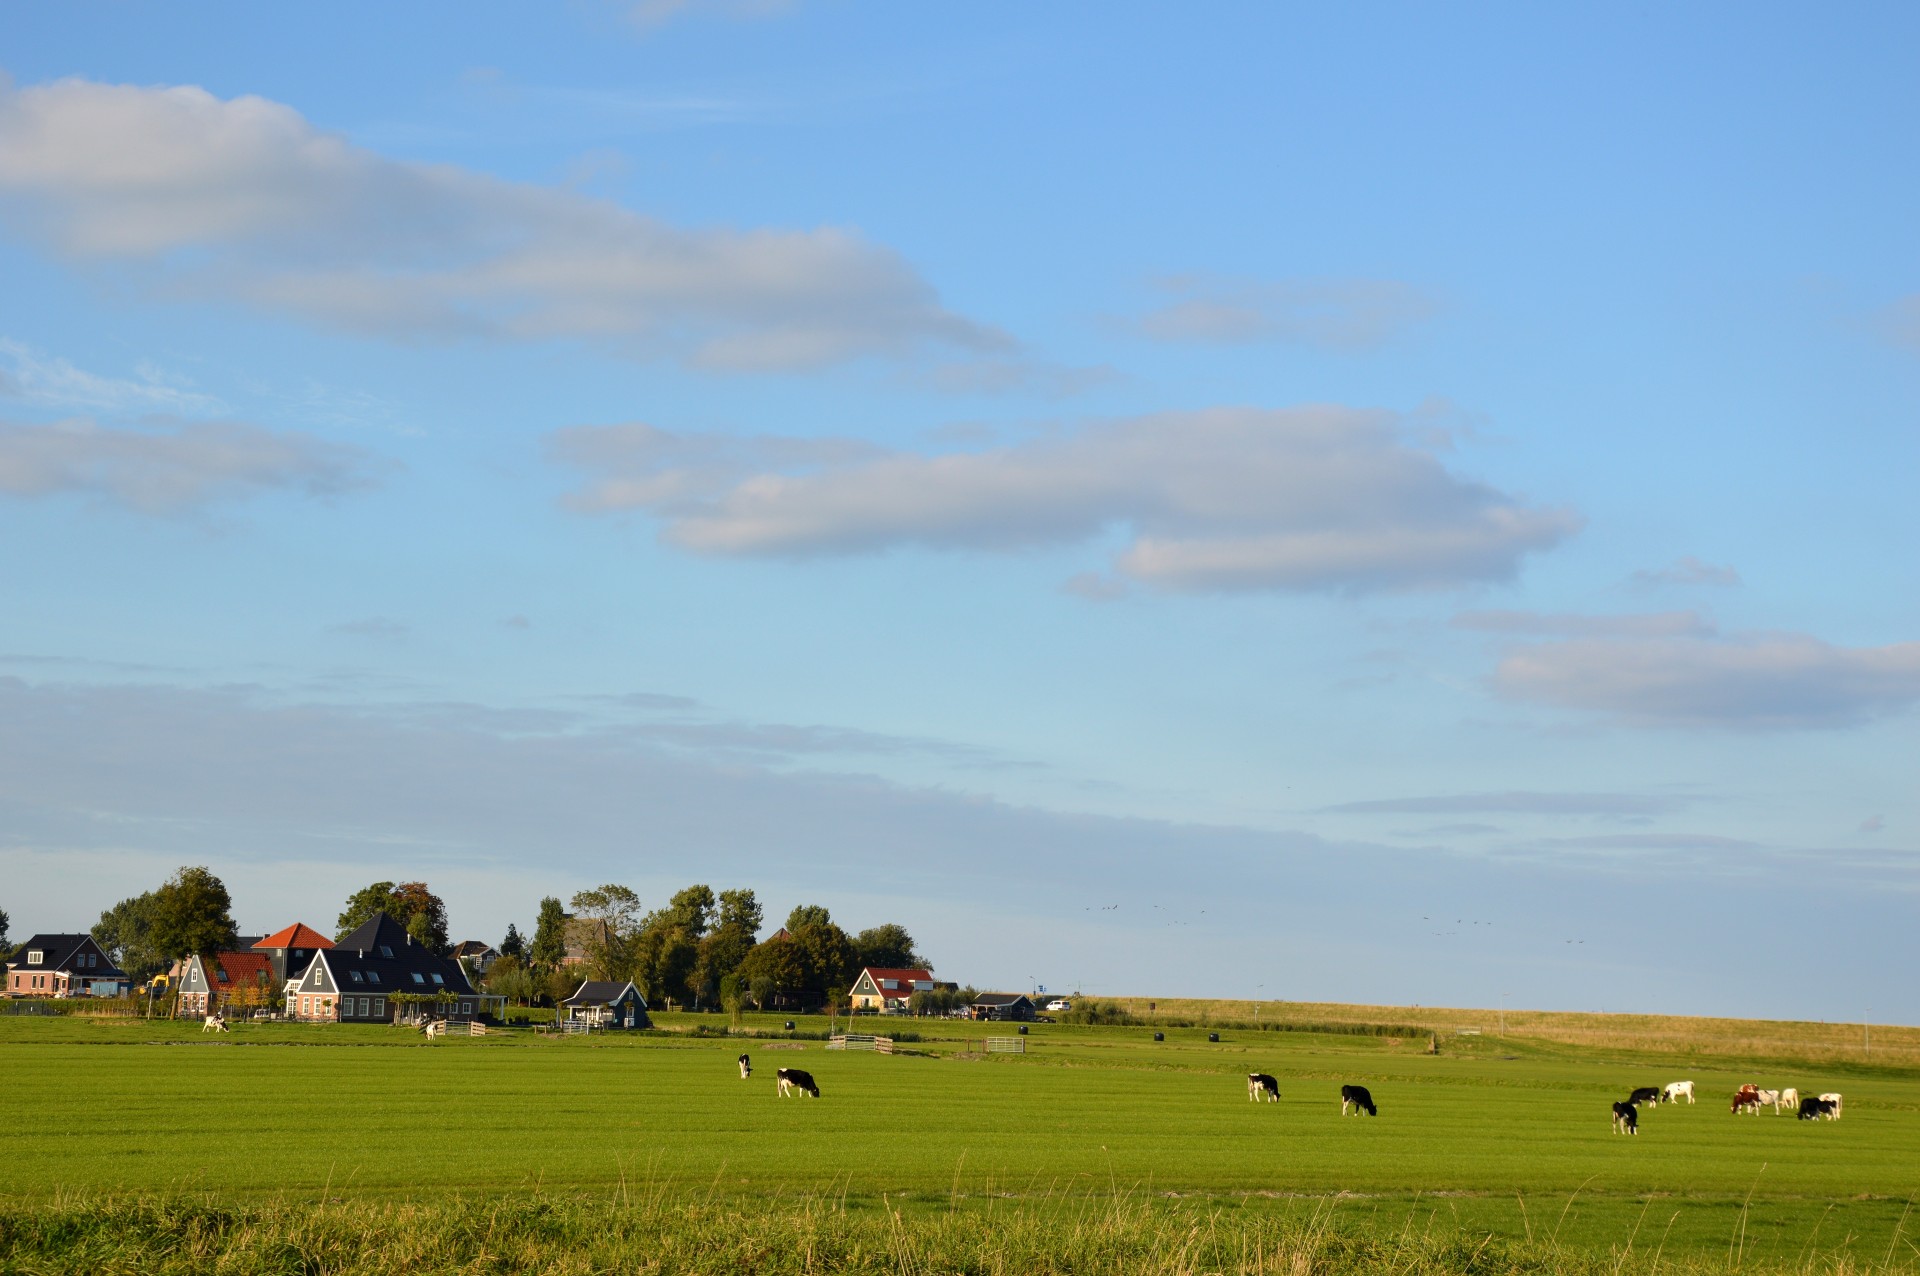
1708	679
167	469
1334	314
1517	802
1226	499
1687	570
244	200
379	628
40	378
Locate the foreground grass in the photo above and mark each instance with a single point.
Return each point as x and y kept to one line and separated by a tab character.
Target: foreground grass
350	1148
674	1232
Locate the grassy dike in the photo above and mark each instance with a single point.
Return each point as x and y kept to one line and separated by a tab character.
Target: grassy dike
347	1149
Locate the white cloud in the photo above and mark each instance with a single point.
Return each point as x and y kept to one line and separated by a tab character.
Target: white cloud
1336	314
1687	570
244	200
1519	803
1537	623
1778	680
1321	497
32	375
164	470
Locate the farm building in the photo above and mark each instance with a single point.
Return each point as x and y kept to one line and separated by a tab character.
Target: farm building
883	989
63	966
1003	1005
207	984
585	936
378	974
477	955
606	1004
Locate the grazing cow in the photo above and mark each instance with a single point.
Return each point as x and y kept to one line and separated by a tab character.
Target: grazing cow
1647	1094
1768	1096
795	1080
1748	1100
1626	1119
434	1028
1677	1088
1261	1086
746	1067
1832	1097
214	1023
1812	1109
1789	1098
1357	1095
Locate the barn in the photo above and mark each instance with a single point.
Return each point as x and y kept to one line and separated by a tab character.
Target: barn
1003	1005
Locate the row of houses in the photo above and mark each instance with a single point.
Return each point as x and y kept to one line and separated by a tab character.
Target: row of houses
378	974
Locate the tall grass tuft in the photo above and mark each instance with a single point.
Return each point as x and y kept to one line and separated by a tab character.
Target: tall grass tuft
653	1231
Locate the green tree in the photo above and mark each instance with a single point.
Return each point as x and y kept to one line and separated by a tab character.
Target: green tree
549	936
514	945
510	978
808	915
780	963
692	911
741	910
890	946
422	913
721	953
617	909
4	921
125	933
828	957
192	913
673	967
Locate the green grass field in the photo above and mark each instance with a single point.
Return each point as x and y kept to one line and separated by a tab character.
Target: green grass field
1508	1138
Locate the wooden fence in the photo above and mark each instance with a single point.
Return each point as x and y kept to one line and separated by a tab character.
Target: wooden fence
860	1041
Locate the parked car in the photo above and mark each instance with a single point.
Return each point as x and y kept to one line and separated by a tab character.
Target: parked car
1059	1003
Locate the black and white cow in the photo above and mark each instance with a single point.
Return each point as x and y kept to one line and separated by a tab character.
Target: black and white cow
1261	1086
1645	1094
1357	1096
1626	1119
1833	1097
795	1080
746	1067
1812	1109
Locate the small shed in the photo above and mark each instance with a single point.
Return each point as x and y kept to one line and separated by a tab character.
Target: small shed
1013	1006
605	1004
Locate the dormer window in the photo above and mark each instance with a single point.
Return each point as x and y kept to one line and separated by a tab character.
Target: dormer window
33	958
222	976
385	951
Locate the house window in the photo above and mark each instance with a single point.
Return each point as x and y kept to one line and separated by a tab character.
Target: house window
438	980
357	976
380	1007
222	976
385	951
417	979
373	976
33	958
466	1007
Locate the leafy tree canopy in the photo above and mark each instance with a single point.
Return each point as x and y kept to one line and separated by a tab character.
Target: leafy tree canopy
514	945
549	936
692	911
889	945
740	909
125	933
808	915
192	913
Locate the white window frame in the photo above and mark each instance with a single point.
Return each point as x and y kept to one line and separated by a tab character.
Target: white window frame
34	957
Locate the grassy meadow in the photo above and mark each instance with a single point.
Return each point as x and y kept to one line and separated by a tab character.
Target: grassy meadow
1499	1144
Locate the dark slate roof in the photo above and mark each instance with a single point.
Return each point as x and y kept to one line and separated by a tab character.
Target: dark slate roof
472	948
59	950
1001	999
598	992
383	946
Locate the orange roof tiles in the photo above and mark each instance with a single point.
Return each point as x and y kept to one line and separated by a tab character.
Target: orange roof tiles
298	935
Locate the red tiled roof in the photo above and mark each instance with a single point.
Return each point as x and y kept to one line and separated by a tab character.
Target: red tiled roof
298	935
244	970
907	979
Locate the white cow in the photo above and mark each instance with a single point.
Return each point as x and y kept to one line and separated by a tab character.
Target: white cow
1677	1088
1833	1097
214	1023
1790	1099
435	1028
1770	1096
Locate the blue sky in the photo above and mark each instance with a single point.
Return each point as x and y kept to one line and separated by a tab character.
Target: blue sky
1363	505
